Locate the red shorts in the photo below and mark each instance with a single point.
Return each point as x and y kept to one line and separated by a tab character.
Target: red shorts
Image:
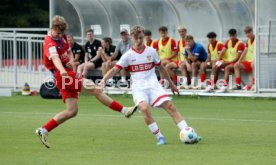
247	66
68	87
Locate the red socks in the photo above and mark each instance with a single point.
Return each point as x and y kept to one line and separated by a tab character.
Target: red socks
202	77
50	125
116	106
238	81
175	79
253	81
225	83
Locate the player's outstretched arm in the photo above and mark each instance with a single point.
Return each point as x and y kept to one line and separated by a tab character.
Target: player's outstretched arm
165	74
109	74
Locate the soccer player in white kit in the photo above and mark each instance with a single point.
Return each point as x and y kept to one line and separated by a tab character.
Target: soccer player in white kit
141	61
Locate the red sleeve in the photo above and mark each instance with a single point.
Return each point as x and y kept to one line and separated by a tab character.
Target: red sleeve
226	44
208	48
220	47
49	48
174	47
241	47
118	66
178	46
155	45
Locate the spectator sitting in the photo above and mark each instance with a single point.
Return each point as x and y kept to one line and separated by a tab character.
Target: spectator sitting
149	42
106	52
122	47
78	52
92	61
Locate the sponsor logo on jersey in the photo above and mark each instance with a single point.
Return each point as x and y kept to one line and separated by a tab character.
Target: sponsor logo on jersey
141	67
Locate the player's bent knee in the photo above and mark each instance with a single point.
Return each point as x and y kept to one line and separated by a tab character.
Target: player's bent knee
96	91
237	66
72	112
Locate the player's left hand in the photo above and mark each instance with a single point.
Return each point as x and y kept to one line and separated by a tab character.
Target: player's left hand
69	65
174	90
101	85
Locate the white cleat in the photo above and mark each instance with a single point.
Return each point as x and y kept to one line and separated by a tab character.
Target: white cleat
223	89
199	87
43	136
130	111
187	87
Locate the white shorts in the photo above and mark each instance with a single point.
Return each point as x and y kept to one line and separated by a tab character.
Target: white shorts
153	96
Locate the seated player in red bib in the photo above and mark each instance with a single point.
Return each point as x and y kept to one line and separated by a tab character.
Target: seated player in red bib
246	61
58	59
170	67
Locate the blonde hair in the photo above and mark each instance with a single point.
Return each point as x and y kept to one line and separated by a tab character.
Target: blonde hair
59	23
136	30
181	27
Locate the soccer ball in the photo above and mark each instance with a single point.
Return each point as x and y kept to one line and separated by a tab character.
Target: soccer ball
188	135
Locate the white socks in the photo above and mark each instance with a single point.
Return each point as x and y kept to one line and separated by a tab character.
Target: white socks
182	124
123	110
155	130
184	81
193	81
123	79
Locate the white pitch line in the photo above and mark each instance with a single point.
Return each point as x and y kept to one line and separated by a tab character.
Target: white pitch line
162	117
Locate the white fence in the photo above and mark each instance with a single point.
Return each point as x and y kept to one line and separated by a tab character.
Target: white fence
21	57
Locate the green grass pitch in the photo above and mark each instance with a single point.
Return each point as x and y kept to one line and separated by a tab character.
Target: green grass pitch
235	131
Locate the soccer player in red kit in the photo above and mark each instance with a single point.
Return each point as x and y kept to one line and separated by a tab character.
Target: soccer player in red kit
58	58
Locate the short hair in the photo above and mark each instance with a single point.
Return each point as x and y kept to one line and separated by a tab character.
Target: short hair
59	23
108	40
212	35
90	30
189	38
248	29
181	27
163	29
147	32
135	30
232	32
70	36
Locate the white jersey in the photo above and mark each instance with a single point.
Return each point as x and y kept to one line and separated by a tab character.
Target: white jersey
141	66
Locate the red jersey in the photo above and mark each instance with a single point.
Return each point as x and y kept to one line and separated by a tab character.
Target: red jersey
55	47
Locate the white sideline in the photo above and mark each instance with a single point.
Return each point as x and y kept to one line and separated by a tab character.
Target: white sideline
160	117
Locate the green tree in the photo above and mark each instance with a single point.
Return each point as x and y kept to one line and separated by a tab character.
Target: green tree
24	13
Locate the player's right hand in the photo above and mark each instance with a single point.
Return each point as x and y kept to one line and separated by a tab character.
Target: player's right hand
174	89
63	73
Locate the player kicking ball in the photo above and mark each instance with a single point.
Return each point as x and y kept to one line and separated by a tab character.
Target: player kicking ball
140	61
57	58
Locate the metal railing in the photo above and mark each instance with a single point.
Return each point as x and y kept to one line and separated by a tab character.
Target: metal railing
21	57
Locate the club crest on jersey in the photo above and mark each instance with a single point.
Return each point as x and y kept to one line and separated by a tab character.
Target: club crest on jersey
149	58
